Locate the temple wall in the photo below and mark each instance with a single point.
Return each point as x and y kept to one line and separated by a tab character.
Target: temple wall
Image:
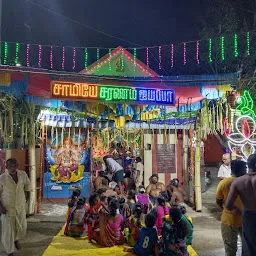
150	161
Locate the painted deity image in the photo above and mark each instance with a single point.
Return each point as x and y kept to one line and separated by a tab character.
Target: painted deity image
68	160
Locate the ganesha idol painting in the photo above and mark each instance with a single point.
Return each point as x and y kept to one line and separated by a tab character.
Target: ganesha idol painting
68	159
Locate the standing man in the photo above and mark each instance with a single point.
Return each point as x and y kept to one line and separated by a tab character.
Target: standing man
13	186
225	170
116	169
245	188
139	173
231	221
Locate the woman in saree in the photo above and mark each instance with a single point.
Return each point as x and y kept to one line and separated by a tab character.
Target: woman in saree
174	235
76	222
110	227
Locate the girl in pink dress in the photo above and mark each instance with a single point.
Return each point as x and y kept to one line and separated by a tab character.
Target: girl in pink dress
160	211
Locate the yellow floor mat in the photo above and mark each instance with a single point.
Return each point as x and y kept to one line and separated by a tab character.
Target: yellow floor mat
67	246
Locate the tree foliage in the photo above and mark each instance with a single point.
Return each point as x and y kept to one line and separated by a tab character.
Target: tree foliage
227	18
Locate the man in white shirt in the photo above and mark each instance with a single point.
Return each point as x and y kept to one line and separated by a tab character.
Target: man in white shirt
116	169
139	173
225	169
13	186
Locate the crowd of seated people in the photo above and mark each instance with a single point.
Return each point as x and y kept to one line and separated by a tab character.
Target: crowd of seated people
152	220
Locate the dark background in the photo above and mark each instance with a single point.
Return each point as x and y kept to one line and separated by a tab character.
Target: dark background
132	23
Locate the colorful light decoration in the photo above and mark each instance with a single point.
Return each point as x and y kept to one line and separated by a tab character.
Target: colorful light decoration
6	52
246	105
17	50
248	47
244	137
109	58
172	55
184	53
86	58
235	45
160	60
63	58
147	57
74	59
51	57
122	59
160	57
134	58
98	57
39	55
222	47
28	50
76	91
210	50
197	53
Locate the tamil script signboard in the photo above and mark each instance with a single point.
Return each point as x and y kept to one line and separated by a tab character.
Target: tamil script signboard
165	158
96	92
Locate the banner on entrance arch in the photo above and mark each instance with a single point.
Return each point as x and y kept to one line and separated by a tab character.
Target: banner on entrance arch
96	92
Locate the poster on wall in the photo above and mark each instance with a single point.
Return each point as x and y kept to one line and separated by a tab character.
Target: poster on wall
67	159
166	158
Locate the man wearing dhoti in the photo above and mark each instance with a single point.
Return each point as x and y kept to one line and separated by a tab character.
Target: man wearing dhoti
13	187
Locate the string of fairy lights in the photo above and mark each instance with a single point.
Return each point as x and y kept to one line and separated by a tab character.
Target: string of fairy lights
178	53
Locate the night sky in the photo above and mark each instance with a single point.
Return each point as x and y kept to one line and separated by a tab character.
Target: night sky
138	22
144	22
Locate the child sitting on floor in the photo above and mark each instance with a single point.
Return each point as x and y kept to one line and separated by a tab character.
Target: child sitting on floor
76	222
73	200
104	202
94	210
188	220
147	243
143	199
134	224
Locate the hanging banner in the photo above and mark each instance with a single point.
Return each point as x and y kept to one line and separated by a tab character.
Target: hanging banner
96	92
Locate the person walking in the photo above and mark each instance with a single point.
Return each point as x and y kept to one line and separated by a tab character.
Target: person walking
13	187
245	188
231	221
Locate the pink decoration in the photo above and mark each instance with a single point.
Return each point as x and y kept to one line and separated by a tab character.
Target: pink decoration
246	129
63	58
197	53
226	127
172	55
74	58
39	56
160	57
51	57
147	57
184	53
28	49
